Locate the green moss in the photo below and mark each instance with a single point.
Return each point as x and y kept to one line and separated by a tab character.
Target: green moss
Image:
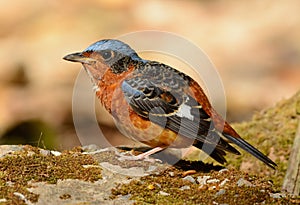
148	189
30	165
272	131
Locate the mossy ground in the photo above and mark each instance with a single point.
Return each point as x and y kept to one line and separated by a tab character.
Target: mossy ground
29	165
272	131
166	188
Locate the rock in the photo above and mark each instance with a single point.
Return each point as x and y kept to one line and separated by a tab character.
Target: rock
163	193
23	198
190	179
45	152
210	181
9	149
244	182
220	192
277	195
224	182
171	174
202	180
55	153
186	187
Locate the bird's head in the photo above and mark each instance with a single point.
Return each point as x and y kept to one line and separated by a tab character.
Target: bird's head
105	55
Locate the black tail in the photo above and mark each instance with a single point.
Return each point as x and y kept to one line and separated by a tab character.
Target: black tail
252	150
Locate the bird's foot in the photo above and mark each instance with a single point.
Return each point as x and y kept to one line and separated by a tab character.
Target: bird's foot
144	156
138	158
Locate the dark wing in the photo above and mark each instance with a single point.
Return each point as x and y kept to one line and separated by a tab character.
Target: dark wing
165	103
146	98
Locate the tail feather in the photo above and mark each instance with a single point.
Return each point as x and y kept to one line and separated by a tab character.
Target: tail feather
222	144
252	150
218	155
212	151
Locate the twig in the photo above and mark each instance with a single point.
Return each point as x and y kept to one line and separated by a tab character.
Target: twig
291	183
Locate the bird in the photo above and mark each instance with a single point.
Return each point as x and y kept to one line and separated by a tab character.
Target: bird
156	104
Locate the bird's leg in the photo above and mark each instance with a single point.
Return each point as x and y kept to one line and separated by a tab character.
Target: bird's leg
143	156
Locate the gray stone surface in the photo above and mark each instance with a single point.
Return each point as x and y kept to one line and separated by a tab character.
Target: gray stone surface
74	191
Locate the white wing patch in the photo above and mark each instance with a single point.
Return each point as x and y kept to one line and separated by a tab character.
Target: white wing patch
185	111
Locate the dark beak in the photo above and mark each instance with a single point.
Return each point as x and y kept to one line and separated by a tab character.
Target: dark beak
79	57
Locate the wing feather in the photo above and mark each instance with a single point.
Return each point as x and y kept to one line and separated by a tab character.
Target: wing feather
164	108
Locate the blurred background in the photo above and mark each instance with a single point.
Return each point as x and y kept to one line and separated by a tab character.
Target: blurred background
254	45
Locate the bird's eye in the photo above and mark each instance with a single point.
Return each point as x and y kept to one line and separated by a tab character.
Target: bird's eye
107	55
